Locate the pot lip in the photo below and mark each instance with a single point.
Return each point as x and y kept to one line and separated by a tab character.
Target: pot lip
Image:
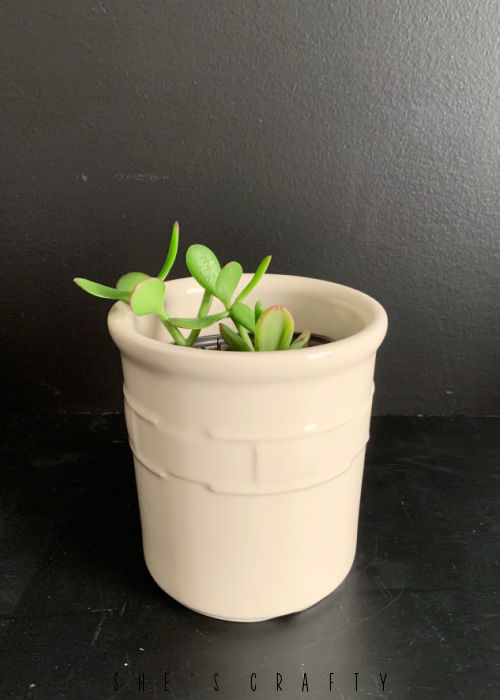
345	351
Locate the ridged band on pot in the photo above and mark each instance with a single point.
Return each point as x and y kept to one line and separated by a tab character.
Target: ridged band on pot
238	437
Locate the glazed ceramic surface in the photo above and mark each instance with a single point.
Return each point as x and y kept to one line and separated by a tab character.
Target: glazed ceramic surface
249	465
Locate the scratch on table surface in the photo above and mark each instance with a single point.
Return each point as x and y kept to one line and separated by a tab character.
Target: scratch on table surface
344	613
383	587
356	624
433	466
485	516
457	690
425	617
53	389
374	555
203	635
100	8
98	629
407	512
376	613
141	177
123	608
366	523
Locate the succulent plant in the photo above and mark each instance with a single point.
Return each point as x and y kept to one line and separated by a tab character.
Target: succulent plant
257	329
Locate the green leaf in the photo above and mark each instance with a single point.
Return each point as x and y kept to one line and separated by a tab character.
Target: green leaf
201	322
274	329
289	329
204	266
232	339
259	310
127	282
259	274
243	314
301	341
100	290
227	281
243	333
147	297
172	252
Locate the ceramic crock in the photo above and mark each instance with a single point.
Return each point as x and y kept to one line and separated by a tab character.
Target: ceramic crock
249	465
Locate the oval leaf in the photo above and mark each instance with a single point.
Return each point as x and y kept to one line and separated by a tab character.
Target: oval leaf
243	314
274	329
259	274
232	339
172	252
202	263
301	341
245	336
200	322
100	290
147	297
127	282
227	281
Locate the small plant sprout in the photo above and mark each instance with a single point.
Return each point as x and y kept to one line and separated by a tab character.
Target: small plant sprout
257	329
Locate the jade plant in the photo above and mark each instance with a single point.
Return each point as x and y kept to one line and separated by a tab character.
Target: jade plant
257	329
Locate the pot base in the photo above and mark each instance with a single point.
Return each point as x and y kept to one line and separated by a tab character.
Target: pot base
299	545
252	619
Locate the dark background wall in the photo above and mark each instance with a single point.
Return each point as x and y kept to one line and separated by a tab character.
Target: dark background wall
358	141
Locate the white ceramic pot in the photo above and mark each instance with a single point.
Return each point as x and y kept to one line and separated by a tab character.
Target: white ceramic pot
249	465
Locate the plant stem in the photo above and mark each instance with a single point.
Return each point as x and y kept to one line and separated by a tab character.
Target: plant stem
173	330
202	311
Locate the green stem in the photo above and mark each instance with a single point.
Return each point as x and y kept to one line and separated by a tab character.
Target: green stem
202	311
245	337
173	330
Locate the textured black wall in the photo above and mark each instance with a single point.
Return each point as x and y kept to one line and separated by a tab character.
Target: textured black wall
356	140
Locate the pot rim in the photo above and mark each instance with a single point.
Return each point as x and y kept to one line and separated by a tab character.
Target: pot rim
342	352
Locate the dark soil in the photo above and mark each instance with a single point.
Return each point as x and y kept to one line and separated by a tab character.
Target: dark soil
215	342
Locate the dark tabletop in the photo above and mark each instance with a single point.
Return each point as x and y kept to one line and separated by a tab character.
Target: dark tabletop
81	617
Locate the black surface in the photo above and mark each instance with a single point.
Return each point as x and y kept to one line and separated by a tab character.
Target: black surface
356	141
420	604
